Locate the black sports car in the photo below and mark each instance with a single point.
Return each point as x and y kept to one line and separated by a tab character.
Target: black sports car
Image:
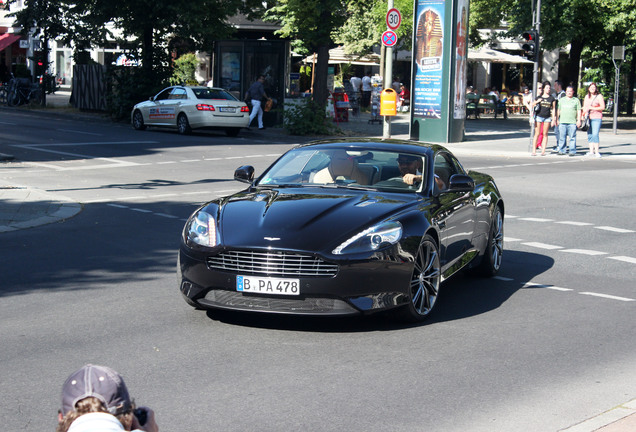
343	227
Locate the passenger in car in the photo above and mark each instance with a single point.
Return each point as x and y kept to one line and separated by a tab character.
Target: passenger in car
342	166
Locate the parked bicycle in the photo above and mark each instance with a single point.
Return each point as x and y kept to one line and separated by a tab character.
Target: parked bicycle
23	91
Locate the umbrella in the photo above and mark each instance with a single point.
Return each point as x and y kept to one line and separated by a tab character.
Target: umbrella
494	56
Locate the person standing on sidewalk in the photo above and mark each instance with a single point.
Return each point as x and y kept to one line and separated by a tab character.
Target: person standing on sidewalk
367	88
593	106
559	94
256	93
569	118
544	107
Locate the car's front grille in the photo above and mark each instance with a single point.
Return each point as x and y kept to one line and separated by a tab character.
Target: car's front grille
275	264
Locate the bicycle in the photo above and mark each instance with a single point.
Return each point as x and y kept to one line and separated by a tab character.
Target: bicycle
22	91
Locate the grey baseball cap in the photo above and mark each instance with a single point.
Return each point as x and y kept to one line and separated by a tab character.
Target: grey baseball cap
100	382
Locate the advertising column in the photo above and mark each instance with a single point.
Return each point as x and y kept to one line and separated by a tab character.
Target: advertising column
439	70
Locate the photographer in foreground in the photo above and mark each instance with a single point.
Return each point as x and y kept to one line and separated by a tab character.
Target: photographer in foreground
96	398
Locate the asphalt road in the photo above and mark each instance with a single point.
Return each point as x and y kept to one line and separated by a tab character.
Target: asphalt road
545	345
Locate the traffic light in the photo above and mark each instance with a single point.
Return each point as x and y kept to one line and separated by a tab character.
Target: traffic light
531	46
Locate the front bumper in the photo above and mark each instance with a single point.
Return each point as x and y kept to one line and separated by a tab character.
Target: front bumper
362	286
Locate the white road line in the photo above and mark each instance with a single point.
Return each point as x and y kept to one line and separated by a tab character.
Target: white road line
212	159
118	206
501	278
574	223
584	252
542	245
167	162
613	229
607	296
81	132
141	210
192	160
167	215
509	216
531	219
511	239
624	259
7	123
556	288
547	286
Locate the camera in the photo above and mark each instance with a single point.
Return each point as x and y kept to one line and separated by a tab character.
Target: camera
142	415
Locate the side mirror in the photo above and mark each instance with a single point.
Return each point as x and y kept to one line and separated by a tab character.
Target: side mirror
461	183
244	174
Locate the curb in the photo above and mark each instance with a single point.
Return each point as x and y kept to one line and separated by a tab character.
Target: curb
619	419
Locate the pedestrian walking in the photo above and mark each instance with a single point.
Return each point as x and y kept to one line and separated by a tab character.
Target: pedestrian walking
568	119
593	106
544	108
256	94
367	88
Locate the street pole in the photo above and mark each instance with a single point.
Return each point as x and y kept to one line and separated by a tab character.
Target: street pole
618	55
536	24
388	79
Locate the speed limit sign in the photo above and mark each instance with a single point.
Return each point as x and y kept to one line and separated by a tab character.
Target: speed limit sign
393	19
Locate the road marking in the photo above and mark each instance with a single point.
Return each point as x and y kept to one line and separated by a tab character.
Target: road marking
168	162
140	210
509	216
574	223
542	245
531	219
511	239
613	229
556	288
167	215
192	160
118	206
624	259
584	252
501	278
607	296
80	132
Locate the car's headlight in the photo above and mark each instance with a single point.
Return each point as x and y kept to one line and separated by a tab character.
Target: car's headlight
371	239
201	229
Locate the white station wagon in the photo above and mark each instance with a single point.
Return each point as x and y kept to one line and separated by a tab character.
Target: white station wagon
186	108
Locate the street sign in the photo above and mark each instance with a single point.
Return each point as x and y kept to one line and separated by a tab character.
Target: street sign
393	19
389	38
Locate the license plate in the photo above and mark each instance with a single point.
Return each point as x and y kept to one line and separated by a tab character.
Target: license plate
227	109
266	285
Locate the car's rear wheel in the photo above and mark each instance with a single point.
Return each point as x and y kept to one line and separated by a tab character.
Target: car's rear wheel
138	121
425	281
232	131
491	261
183	125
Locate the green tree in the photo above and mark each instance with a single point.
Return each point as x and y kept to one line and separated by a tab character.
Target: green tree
310	24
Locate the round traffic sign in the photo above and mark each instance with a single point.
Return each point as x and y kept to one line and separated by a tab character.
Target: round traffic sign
393	19
389	38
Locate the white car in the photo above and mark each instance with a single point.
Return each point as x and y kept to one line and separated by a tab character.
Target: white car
186	108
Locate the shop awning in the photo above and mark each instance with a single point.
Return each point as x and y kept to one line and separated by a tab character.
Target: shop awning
494	56
338	56
7	39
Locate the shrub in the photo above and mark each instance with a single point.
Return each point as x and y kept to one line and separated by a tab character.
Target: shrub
307	118
184	69
130	85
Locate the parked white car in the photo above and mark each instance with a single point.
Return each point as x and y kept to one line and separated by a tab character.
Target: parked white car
186	108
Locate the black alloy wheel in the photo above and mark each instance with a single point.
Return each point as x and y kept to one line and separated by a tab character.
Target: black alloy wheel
138	121
183	125
425	282
491	261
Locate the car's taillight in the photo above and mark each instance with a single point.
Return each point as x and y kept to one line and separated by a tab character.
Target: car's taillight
245	109
205	107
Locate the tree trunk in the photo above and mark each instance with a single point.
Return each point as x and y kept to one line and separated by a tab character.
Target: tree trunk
148	53
320	82
630	83
576	47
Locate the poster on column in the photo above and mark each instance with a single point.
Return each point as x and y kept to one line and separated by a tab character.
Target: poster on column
429	51
461	50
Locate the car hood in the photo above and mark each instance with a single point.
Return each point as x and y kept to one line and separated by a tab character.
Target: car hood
303	219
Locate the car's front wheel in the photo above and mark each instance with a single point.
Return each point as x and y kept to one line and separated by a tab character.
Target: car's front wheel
138	121
183	125
425	282
491	261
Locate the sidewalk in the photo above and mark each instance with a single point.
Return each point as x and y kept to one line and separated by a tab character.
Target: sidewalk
23	207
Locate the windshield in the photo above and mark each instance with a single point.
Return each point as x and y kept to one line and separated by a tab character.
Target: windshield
212	93
344	167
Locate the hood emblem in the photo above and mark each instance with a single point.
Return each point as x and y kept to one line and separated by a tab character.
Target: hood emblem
271	238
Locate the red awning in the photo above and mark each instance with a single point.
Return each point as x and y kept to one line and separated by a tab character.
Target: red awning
7	39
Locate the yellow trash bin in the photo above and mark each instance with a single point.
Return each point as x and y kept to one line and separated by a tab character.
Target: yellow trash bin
388	102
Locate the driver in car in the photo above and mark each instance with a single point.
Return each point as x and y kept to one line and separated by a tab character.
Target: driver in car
411	170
